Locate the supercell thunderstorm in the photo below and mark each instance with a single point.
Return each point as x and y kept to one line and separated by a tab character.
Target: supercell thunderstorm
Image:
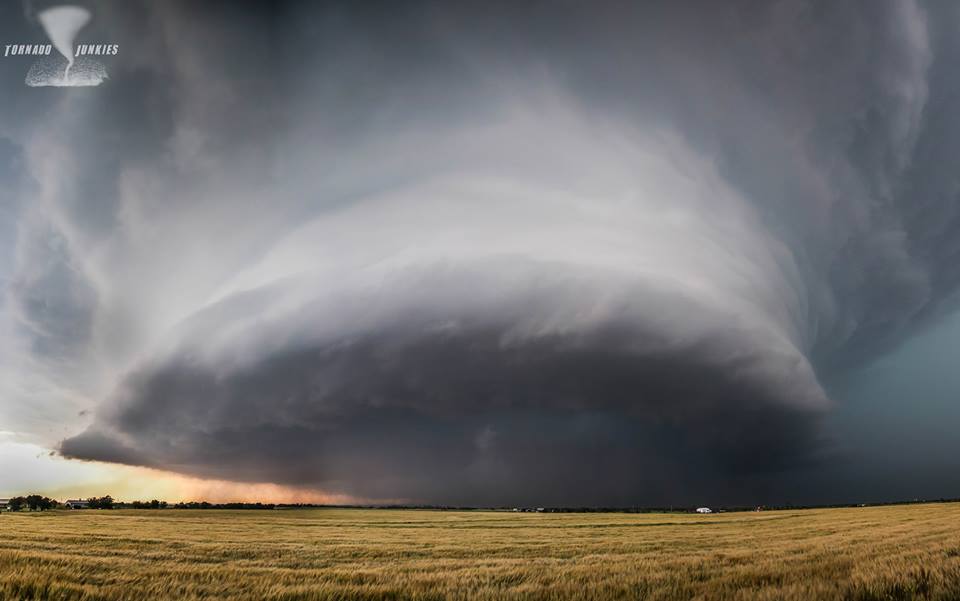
604	255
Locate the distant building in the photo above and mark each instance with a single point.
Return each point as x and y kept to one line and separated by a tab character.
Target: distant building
3	504
704	510
76	504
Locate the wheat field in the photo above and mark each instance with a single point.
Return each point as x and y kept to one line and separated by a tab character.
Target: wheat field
871	553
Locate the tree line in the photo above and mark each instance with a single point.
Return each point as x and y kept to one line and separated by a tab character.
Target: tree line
41	503
32	502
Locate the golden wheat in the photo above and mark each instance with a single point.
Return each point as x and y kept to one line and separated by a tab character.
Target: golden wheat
861	554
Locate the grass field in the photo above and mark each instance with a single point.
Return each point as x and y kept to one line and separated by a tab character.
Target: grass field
903	552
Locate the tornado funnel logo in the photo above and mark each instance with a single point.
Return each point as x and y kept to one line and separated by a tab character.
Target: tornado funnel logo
62	24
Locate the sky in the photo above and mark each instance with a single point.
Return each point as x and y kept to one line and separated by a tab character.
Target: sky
498	253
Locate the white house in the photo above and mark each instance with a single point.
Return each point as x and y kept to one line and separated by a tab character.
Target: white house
76	504
704	510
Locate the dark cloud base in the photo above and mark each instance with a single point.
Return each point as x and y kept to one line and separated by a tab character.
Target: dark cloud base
458	418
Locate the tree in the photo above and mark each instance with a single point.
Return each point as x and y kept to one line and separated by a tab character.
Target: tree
105	502
34	502
38	502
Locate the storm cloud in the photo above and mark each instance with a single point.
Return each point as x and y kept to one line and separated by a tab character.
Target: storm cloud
558	253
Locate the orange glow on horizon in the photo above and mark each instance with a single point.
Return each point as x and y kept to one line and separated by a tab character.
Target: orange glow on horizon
29	468
142	484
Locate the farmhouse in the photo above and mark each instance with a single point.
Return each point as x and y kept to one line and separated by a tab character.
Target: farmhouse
704	510
76	504
3	504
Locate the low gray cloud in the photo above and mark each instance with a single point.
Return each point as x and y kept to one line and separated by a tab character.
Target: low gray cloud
565	253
